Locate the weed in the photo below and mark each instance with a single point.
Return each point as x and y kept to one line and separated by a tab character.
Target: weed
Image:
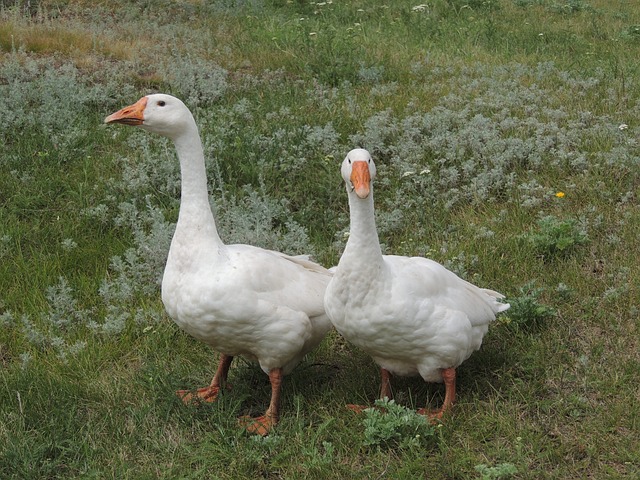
632	32
319	457
497	472
570	6
389	425
556	238
198	82
526	312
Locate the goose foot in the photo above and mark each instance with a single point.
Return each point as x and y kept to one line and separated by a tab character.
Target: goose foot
205	394
263	425
209	394
432	415
258	426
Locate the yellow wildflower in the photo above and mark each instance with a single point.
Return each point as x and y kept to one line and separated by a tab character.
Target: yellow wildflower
560	194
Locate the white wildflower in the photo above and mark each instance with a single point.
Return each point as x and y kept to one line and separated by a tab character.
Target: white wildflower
623	126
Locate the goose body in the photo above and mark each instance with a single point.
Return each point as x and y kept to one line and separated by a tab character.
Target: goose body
411	314
253	312
239	299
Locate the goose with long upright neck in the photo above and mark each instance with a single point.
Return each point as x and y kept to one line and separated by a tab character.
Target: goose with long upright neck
412	315
240	299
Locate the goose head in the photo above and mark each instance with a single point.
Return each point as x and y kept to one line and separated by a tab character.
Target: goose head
158	113
358	171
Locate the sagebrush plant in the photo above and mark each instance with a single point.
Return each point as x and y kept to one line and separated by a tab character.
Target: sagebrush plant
496	472
476	122
526	311
389	425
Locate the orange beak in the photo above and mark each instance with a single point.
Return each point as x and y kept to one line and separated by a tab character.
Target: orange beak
131	115
360	178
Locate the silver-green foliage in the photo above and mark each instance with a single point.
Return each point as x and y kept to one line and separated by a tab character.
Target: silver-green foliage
527	312
389	425
496	472
39	97
496	130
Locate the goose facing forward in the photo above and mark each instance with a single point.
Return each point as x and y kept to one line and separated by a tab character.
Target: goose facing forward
239	299
412	315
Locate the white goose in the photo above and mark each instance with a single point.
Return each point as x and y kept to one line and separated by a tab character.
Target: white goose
412	315
239	299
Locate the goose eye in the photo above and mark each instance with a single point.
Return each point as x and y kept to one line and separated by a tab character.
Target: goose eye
349	160
162	103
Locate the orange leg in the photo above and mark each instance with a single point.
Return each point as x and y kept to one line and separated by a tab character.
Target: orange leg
262	425
209	394
385	391
385	384
449	377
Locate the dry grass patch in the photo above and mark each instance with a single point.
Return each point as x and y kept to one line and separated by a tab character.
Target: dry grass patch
85	47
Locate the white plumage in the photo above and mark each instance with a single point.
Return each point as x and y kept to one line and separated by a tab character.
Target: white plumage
240	299
412	315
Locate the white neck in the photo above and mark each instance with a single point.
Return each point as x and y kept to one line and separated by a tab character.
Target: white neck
363	245
195	220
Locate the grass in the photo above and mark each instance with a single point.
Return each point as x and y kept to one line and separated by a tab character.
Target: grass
478	114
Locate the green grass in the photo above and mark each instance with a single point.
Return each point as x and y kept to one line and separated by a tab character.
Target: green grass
477	113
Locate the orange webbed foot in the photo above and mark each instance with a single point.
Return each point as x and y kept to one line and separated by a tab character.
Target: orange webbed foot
357	408
204	394
259	425
434	416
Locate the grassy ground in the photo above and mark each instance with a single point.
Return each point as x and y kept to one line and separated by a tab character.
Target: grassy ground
506	138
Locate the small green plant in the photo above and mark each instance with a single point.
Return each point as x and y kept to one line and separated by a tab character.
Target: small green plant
319	457
500	471
526	311
632	32
555	237
527	3
570	6
391	425
474	5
